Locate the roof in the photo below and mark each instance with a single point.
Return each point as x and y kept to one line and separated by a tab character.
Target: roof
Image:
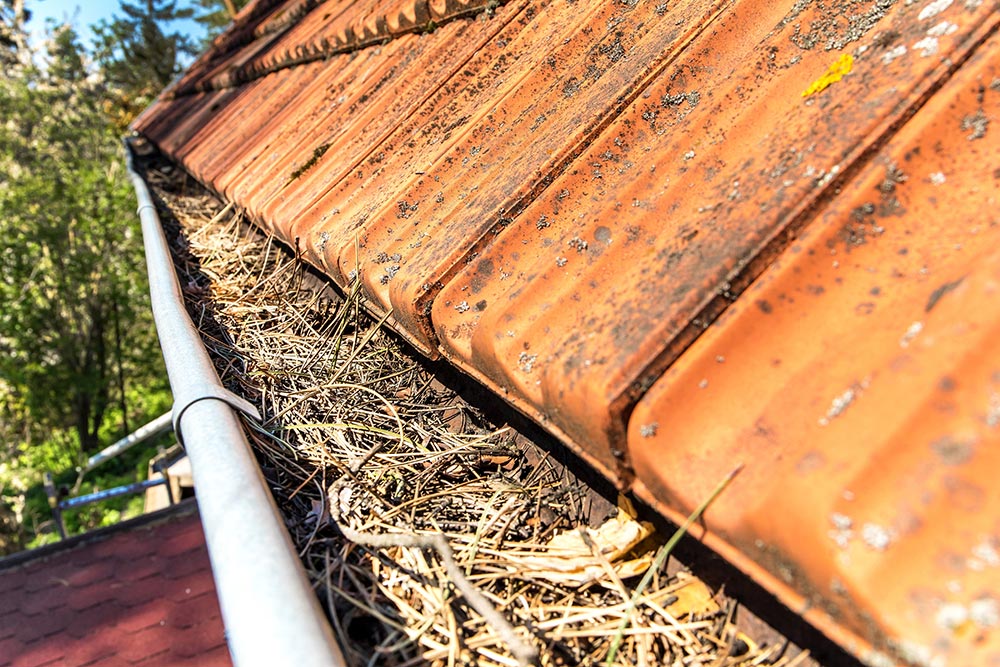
140	592
680	236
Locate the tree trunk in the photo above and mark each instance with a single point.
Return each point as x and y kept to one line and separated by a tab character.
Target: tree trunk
122	400
82	419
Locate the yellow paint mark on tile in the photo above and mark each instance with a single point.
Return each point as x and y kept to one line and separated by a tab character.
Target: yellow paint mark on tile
836	72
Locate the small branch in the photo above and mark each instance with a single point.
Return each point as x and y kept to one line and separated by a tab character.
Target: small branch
524	653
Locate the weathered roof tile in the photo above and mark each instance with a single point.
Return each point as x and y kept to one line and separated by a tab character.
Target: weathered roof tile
859	377
680	236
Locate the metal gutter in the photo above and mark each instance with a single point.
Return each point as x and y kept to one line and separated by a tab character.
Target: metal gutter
269	609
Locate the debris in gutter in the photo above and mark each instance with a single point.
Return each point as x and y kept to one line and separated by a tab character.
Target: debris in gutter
401	498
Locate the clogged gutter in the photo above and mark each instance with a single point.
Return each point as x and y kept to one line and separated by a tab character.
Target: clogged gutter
270	615
358	439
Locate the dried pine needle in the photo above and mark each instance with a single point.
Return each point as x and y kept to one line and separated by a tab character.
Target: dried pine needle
344	400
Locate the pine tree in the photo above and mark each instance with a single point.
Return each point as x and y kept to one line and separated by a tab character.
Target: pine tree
13	36
217	15
136	57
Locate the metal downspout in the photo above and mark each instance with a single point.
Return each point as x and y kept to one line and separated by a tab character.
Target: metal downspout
270	612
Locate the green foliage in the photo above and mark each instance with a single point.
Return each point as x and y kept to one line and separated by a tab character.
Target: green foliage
13	38
78	355
70	258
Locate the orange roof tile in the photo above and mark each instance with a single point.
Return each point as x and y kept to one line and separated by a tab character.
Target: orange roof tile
680	236
858	374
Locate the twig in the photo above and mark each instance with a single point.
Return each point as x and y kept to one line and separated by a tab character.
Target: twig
525	654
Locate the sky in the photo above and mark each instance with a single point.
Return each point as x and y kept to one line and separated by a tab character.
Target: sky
83	13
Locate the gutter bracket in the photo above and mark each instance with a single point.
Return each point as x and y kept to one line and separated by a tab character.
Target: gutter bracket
212	392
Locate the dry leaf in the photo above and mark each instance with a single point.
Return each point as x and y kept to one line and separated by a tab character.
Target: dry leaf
568	559
695	598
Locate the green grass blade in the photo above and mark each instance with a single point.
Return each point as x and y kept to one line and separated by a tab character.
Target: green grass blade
660	559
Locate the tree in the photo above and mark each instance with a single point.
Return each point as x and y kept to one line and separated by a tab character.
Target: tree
66	60
217	15
13	37
70	257
136	57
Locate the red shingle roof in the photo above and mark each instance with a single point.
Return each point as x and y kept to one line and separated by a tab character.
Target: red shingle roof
138	593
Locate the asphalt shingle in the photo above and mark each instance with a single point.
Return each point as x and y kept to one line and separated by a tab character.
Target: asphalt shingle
139	593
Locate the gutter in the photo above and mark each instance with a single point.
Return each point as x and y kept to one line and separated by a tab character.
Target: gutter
269	609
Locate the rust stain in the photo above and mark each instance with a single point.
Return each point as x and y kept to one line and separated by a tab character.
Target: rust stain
670	233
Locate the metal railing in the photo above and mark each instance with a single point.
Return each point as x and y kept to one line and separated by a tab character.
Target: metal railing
61	499
160	425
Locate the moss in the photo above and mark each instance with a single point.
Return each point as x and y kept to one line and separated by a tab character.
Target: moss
317	154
